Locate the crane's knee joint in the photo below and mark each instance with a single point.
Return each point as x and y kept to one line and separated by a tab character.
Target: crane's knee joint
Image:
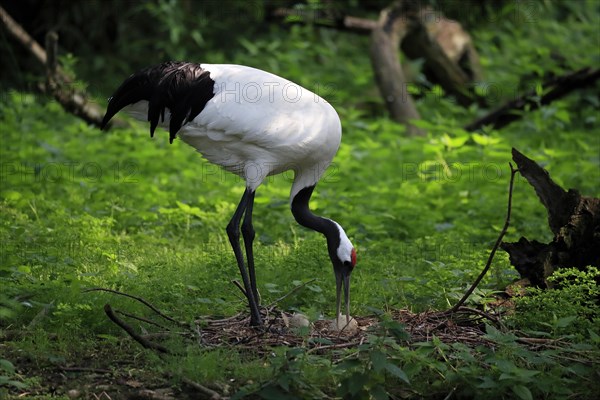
248	231
233	231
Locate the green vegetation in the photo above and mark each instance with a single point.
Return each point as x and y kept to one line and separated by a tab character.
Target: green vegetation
81	208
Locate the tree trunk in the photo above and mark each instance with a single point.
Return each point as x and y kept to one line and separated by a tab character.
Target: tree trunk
435	41
385	42
447	49
574	219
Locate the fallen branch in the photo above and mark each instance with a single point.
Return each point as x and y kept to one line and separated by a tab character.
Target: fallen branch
59	84
217	321
333	347
488	264
555	89
141	300
23	37
542	341
161	335
482	314
142	319
87	370
211	394
131	332
342	22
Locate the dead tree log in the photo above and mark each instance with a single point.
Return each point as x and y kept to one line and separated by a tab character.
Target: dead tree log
385	40
574	219
454	41
450	57
555	88
447	49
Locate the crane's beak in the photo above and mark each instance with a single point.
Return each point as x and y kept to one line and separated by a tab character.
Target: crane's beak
342	277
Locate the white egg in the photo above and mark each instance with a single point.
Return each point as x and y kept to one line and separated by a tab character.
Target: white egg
340	324
299	320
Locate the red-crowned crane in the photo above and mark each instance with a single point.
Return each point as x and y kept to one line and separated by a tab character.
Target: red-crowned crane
254	124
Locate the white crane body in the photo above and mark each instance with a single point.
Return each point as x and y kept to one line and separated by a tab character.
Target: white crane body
251	123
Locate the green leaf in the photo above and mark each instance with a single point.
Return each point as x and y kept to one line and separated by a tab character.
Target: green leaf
7	366
397	372
539	89
378	359
484	140
563	115
378	393
357	382
284	382
274	393
17	384
594	336
522	392
420	123
498	336
488	383
314	288
454	142
525	374
565	321
295	352
11	195
319	340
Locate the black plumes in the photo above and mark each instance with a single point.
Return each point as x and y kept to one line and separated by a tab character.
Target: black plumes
181	87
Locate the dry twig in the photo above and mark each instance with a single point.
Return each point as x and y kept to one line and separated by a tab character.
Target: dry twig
131	332
59	84
211	394
555	89
333	347
140	299
142	319
87	370
488	264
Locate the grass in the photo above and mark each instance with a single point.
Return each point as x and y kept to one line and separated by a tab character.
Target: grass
83	208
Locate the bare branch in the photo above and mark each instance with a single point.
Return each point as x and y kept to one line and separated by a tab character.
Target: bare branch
60	86
556	88
141	300
131	332
488	264
23	37
211	394
141	319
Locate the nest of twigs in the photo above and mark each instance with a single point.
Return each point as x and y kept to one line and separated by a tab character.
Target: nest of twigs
465	325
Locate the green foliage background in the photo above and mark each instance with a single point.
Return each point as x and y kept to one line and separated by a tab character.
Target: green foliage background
83	208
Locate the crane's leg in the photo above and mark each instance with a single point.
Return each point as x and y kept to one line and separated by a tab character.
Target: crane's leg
233	231
248	233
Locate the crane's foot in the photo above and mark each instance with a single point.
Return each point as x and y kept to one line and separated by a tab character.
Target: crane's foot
256	319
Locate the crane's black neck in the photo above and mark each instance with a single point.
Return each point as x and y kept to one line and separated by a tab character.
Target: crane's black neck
305	217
